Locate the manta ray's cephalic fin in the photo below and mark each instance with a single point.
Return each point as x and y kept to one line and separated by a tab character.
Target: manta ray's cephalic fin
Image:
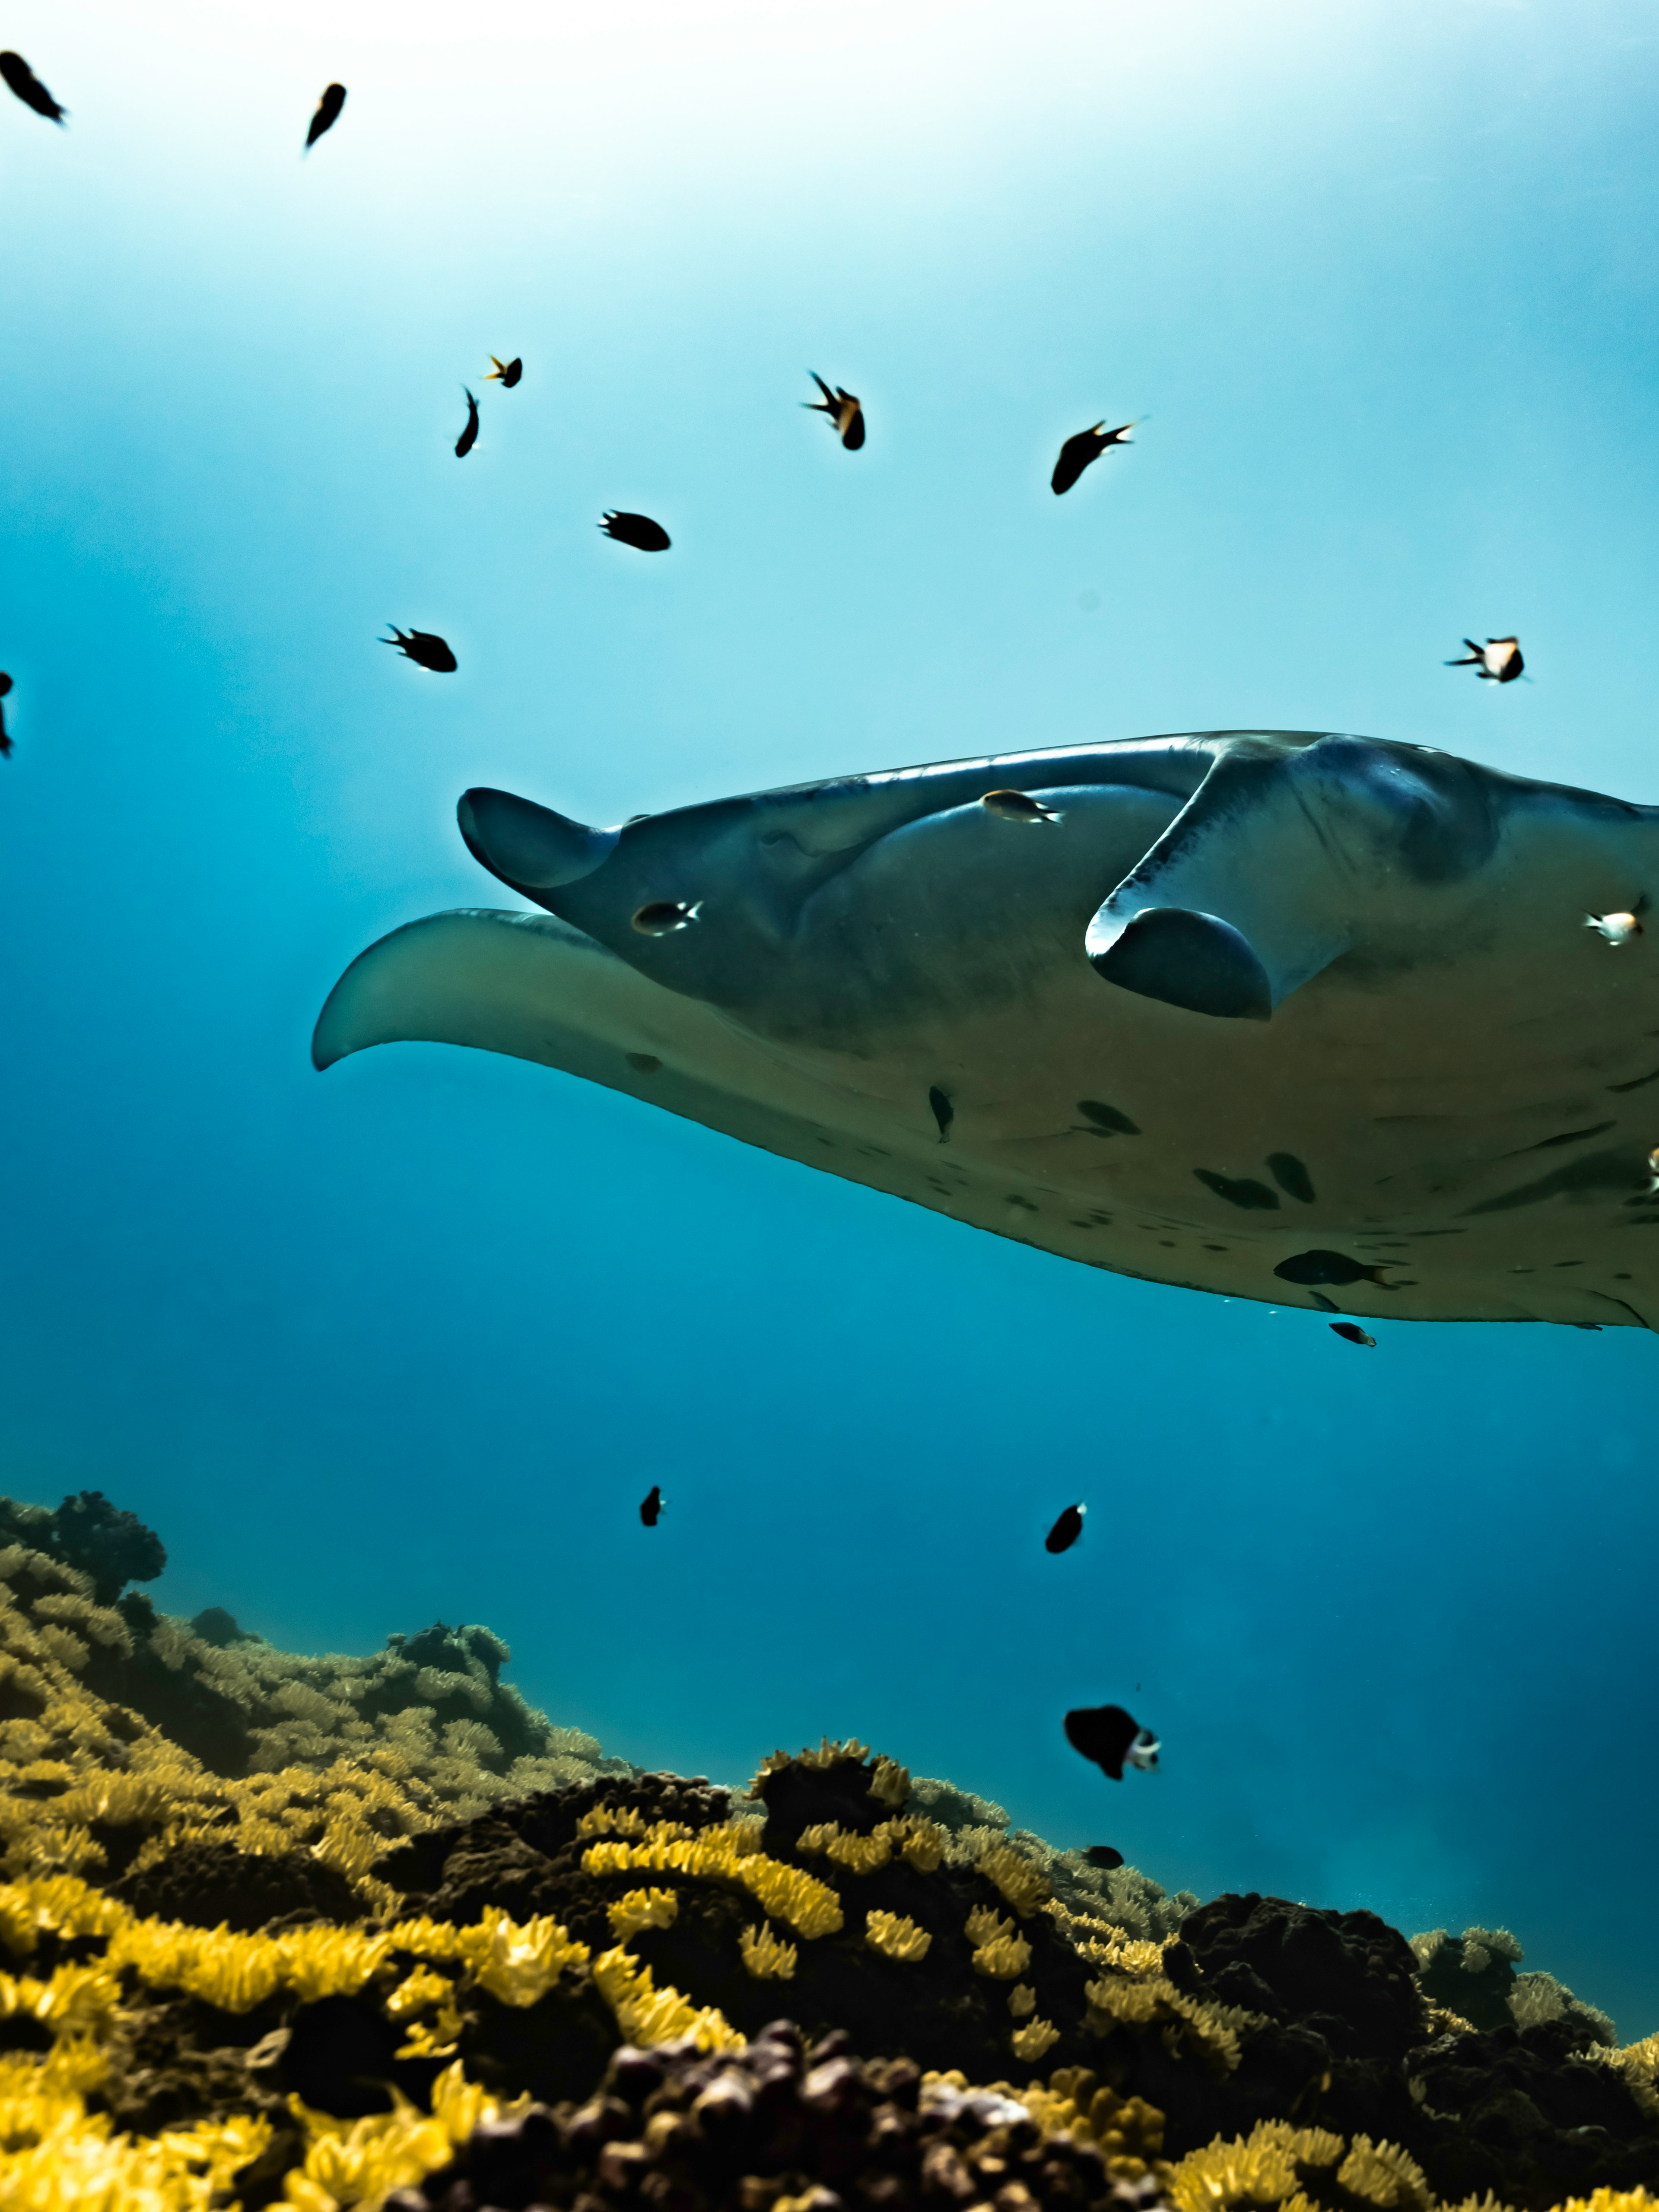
529	847
1257	884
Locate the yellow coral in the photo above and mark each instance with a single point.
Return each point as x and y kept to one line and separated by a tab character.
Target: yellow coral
1266	2166
1021	2000
895	1936
349	2162
1029	2043
1213	2030
642	1908
646	2014
77	2001
765	1956
891	1782
614	1819
1023	1884
518	1965
730	1854
999	1950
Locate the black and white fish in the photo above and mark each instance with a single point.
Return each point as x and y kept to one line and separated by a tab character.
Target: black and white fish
1018	806
327	114
424	647
651	1505
1351	1332
5	741
1618	928
662	917
1067	1530
1112	1738
1104	1857
469	437
1079	452
1497	661
845	412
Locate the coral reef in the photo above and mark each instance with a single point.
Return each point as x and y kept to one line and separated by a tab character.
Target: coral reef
411	1938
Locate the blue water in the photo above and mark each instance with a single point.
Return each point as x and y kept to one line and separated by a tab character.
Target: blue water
411	1339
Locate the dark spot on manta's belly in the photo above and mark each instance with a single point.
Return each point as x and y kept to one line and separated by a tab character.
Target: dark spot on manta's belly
1218	1248
1107	1122
644	1063
1320	1266
1253	1196
1598	1171
1291	1176
943	1112
1014	1199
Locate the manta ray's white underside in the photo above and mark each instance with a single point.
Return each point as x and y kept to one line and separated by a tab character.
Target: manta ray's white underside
1251	1004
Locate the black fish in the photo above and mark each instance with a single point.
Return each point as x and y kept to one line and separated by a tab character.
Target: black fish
1497	661
662	917
1018	806
1351	1332
29	88
1104	1857
943	1112
1077	453
1106	1734
423	647
469	437
846	414
5	742
327	115
636	530
1067	1530
506	373
1319	1266
651	1505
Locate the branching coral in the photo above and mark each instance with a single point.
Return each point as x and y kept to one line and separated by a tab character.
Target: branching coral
359	2162
766	1956
998	1949
728	1853
1031	2042
1279	2165
1124	2000
895	1936
648	2015
642	1908
1020	1883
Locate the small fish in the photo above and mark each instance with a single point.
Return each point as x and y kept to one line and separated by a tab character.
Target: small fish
328	113
1077	453
846	414
1497	661
469	437
506	373
1104	1857
1319	1266
29	88
1618	928
1351	1332
423	647
1067	1530
5	742
662	917
1653	1169
943	1112
1018	806
651	1505
1106	1734
636	529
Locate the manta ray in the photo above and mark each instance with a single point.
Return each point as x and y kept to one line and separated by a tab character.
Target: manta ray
1289	1016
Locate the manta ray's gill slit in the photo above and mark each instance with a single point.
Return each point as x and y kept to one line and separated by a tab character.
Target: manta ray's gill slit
1635	1083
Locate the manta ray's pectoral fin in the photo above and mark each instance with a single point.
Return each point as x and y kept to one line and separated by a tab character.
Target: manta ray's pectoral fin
529	847
1288	855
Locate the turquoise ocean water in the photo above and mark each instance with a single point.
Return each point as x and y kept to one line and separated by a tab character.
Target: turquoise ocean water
410	1341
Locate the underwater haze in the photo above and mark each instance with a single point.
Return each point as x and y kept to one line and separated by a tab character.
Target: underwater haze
410	1339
